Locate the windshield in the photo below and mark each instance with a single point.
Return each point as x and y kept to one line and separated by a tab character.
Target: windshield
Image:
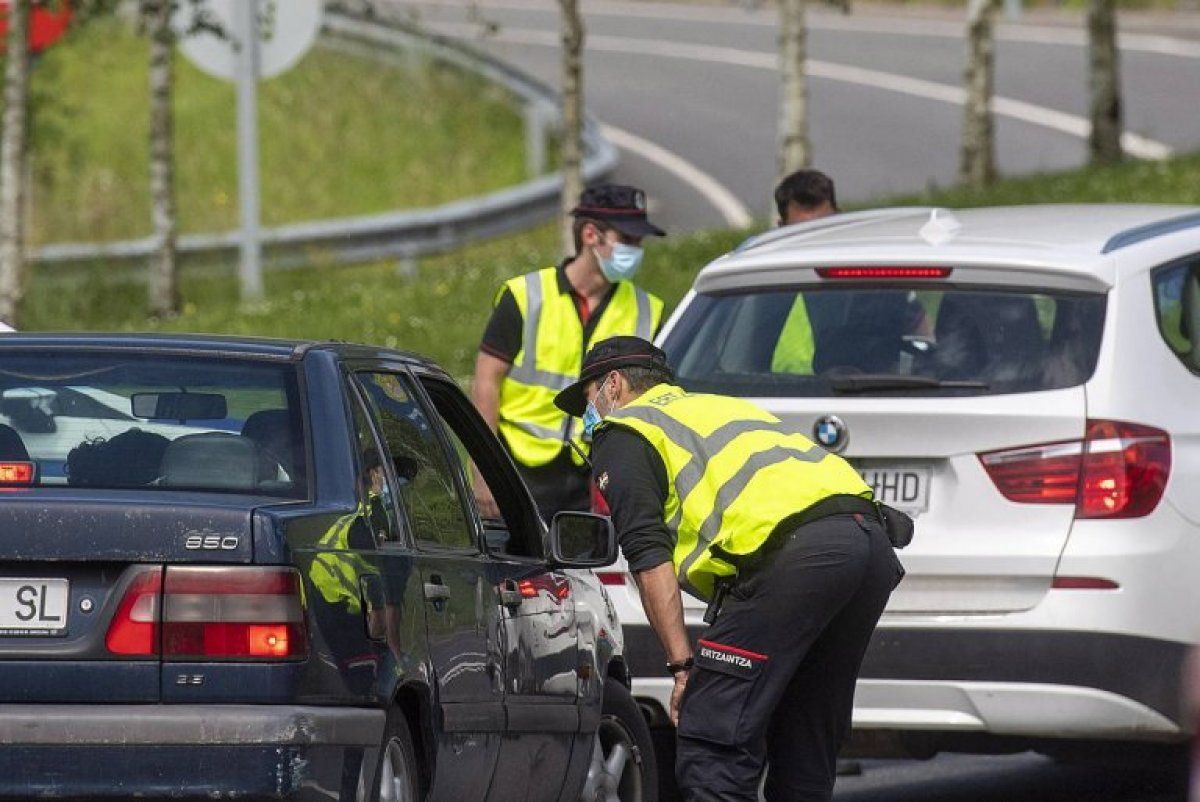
872	341
121	421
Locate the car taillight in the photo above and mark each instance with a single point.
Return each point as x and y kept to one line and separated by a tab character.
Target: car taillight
1125	470
1119	470
134	628
884	272
611	577
213	612
16	473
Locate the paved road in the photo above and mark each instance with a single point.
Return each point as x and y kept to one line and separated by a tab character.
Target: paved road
1026	777
701	83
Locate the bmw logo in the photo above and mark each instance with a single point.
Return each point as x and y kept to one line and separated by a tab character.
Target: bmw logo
830	431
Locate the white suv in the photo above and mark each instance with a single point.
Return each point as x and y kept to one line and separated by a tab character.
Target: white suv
1026	382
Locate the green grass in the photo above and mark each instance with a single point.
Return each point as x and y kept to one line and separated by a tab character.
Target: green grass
340	135
1174	180
441	310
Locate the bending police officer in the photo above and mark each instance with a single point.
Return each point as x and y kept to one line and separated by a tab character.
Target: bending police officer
716	496
541	326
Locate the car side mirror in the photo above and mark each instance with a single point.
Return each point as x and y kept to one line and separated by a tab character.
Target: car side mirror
582	540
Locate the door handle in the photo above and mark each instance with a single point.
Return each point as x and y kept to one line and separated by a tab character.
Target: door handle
510	594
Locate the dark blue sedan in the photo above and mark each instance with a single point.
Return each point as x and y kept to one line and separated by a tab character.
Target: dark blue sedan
254	569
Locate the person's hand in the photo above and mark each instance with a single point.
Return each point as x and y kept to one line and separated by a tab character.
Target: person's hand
681	680
485	502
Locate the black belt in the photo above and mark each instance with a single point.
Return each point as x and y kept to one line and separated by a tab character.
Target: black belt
834	505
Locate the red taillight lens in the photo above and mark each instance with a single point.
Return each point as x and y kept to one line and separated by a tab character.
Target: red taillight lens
1045	474
884	272
611	577
134	628
1125	470
16	473
215	612
1119	470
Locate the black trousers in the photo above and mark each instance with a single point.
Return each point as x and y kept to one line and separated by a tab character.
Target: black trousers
773	684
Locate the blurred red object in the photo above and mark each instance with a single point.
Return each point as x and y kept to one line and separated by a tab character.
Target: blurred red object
46	26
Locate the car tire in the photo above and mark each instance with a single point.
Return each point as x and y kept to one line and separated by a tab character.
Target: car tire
397	772
623	765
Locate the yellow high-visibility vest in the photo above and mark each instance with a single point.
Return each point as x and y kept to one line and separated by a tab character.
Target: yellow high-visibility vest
734	473
551	357
795	349
335	567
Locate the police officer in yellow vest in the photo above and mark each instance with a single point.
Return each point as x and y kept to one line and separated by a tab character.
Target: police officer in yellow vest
718	497
541	326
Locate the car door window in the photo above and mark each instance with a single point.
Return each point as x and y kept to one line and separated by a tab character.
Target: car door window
425	480
518	532
374	489
1177	306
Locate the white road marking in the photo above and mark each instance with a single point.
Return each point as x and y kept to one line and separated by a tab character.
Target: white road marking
733	210
1060	121
1022	33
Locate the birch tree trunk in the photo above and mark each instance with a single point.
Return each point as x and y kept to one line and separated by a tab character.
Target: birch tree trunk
164	282
572	116
977	166
794	150
1104	83
13	144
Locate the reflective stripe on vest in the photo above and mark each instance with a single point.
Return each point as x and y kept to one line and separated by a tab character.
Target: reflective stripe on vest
551	356
734	472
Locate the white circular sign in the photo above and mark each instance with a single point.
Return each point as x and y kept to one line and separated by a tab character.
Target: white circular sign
210	34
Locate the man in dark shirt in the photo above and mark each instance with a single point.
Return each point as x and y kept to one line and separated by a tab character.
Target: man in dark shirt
540	328
716	496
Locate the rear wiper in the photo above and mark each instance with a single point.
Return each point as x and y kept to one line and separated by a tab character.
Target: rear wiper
865	383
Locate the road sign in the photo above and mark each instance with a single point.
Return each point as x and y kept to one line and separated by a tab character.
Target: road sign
46	26
210	34
245	40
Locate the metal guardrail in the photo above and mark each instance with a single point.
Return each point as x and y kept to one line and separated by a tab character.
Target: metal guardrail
401	234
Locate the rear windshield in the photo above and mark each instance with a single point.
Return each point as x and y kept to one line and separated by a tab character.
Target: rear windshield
120	421
872	341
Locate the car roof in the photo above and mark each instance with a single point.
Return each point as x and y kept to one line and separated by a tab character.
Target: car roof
1069	242
211	344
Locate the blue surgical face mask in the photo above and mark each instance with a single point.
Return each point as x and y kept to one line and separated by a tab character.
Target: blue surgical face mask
623	264
592	417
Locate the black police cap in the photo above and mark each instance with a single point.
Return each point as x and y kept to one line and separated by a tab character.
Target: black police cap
622	207
607	355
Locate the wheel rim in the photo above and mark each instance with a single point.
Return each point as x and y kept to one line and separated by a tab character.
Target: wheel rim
394	782
615	772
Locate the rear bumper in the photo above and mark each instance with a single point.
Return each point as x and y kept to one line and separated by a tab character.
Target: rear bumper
181	751
1032	683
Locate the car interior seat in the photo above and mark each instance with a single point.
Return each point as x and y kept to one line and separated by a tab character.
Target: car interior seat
12	447
272	431
988	337
211	460
869	339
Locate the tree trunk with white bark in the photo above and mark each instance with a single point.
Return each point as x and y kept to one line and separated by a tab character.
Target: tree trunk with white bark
164	280
1104	83
571	161
977	167
795	151
13	147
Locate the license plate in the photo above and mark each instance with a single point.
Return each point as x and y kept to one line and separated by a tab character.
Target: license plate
905	487
35	607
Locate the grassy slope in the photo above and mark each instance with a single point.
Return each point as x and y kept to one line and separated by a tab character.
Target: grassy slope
441	311
340	134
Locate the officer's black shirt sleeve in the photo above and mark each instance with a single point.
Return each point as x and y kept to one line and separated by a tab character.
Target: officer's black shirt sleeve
502	337
631	477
